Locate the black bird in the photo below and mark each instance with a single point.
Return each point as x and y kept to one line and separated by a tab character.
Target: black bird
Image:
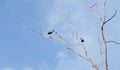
82	40
50	32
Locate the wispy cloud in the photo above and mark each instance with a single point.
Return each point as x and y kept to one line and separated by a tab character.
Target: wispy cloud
64	62
61	8
8	68
27	68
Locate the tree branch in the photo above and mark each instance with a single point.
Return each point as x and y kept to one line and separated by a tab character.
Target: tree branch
93	10
111	17
30	29
76	35
113	42
60	39
103	35
105	49
104	7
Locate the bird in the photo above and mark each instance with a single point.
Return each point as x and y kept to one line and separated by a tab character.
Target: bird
50	32
82	40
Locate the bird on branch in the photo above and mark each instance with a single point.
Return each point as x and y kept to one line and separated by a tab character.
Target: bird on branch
50	32
82	40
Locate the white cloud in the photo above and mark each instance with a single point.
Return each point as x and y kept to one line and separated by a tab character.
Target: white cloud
26	68
64	62
61	8
61	55
45	66
23	68
8	68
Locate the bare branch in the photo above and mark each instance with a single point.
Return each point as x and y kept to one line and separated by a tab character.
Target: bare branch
93	10
104	7
40	24
101	52
105	50
83	48
76	35
113	42
30	29
103	35
111	17
71	27
60	39
86	58
105	1
93	5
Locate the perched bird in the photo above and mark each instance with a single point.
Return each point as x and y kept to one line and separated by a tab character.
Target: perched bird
82	40
50	32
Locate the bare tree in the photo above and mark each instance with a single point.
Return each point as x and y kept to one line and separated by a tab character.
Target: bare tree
53	34
103	22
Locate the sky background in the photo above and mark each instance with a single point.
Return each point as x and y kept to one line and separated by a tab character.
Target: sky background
22	49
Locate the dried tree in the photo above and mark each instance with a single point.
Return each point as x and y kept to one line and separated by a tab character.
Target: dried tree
103	22
53	34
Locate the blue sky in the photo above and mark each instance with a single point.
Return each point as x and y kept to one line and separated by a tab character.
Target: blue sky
22	49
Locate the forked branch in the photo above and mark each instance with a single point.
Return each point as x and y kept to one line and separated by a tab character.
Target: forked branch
111	17
60	39
91	6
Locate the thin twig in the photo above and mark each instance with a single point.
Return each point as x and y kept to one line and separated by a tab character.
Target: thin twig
104	8
93	10
83	48
111	17
101	52
105	1
76	35
93	5
113	42
40	24
30	29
